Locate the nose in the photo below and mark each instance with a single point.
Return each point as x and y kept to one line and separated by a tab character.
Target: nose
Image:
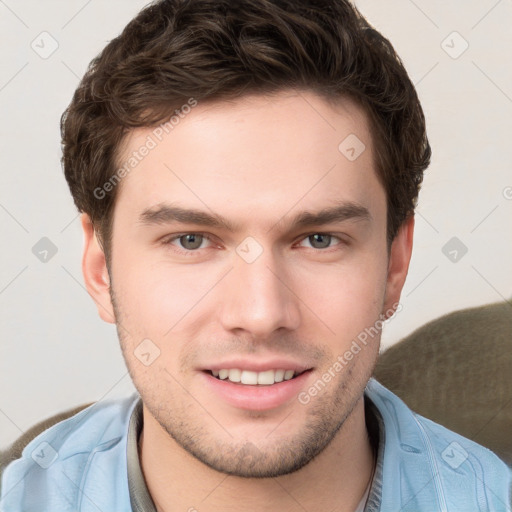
258	297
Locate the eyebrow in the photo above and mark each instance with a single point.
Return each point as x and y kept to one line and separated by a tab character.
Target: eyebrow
167	213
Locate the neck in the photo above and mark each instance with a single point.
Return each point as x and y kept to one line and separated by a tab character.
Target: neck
336	479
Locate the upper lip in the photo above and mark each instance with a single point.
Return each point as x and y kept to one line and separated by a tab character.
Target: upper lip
259	365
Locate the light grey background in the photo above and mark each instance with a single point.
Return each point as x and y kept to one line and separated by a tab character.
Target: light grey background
56	353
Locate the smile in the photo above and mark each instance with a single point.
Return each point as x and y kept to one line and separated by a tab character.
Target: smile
252	378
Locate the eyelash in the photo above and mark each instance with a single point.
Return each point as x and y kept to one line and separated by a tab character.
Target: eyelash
185	252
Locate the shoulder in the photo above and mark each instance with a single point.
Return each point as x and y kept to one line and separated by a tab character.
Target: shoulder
15	450
66	426
68	448
447	466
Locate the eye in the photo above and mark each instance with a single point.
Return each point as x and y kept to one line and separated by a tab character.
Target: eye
321	241
190	242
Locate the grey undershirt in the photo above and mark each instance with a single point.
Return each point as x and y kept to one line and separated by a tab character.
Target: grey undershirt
139	495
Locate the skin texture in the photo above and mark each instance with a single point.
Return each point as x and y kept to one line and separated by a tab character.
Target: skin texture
256	161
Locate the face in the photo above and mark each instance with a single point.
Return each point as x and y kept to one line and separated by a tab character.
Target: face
255	286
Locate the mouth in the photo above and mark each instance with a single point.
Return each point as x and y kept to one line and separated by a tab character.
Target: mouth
254	378
256	386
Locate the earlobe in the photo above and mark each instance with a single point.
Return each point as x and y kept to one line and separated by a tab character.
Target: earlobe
95	271
398	266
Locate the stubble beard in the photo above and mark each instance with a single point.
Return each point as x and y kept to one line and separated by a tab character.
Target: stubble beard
275	455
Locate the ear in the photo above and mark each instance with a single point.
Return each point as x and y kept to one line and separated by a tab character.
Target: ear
398	265
95	272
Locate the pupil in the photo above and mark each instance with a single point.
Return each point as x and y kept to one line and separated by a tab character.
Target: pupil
191	238
320	236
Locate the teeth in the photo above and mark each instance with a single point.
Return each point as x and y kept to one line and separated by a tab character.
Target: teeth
235	375
279	375
248	377
265	378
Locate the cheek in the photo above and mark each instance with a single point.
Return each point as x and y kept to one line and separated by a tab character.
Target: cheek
159	297
347	297
160	300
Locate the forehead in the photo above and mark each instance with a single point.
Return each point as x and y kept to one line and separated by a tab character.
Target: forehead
257	153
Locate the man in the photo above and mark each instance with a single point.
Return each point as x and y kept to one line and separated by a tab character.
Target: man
247	174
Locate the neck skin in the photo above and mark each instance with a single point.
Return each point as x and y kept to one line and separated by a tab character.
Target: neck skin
335	480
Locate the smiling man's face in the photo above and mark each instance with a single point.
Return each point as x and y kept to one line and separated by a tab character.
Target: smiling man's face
259	292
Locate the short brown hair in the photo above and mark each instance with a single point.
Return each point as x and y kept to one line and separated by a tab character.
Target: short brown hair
174	50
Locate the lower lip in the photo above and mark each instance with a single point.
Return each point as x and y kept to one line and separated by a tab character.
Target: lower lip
256	398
